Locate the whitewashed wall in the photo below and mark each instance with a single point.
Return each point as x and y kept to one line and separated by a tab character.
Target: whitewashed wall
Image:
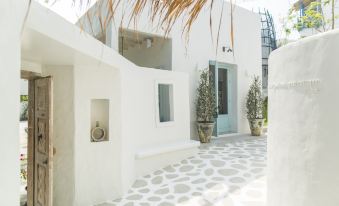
139	109
303	138
84	69
200	49
11	18
63	133
194	56
97	165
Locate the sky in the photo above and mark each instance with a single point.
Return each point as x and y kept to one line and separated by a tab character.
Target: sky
278	9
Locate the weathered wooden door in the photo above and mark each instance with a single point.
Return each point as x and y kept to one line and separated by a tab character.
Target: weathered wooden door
43	145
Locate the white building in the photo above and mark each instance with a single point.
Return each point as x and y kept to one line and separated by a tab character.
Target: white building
232	69
146	129
302	5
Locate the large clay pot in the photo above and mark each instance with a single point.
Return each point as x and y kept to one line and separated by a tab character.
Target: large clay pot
205	131
256	126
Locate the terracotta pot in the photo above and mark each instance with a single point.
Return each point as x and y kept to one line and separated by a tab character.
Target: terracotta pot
205	131
256	126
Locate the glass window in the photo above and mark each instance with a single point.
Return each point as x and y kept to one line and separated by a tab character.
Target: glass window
165	94
222	91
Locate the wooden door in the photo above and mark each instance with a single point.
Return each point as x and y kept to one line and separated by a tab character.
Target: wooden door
43	145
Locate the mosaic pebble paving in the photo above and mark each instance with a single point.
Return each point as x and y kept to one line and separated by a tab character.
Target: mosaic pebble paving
223	173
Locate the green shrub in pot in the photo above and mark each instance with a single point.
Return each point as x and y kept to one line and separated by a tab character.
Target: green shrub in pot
254	106
205	106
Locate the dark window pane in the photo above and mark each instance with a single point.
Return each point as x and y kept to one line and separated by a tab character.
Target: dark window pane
165	102
222	91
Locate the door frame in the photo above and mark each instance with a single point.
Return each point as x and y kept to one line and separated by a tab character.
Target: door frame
43	141
232	96
31	77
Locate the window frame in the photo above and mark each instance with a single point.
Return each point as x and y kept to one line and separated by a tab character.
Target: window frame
157	109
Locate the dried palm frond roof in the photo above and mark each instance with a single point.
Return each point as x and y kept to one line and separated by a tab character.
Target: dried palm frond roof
163	13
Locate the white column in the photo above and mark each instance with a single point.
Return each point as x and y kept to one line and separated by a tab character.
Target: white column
303	140
11	15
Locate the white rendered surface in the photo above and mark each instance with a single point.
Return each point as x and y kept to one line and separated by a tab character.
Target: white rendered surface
201	48
83	69
303	130
11	18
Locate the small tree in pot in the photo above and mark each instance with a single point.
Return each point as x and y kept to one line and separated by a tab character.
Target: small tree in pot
254	105
205	107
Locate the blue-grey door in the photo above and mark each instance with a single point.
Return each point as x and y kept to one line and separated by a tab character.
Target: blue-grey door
222	76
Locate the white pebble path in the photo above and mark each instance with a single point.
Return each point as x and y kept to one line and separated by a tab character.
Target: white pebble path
225	172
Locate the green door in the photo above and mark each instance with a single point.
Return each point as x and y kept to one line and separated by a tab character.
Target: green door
222	76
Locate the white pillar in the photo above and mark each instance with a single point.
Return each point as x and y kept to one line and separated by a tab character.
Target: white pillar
11	15
303	141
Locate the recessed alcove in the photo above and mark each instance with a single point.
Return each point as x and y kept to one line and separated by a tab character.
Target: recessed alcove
99	120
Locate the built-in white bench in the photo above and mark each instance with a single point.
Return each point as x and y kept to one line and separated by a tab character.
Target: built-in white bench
151	159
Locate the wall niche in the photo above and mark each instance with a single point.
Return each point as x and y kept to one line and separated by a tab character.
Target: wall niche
99	120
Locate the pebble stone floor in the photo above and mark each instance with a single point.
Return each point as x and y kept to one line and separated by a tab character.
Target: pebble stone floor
228	172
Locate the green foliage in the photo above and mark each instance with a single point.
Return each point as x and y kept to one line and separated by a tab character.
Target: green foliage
313	18
254	100
265	109
23	98
206	108
24	111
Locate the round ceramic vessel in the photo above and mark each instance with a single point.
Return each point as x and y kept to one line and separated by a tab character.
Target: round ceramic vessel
256	126
205	131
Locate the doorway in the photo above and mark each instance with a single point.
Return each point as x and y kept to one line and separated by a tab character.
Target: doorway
23	140
36	140
224	85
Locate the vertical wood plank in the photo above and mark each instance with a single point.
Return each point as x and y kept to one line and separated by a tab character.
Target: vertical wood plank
30	145
43	144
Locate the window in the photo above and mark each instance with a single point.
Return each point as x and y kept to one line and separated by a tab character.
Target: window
165	103
223	91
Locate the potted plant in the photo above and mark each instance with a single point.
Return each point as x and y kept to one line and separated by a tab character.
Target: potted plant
205	107
254	105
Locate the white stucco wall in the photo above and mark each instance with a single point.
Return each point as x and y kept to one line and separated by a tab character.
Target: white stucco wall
303	139
88	172
194	56
200	49
140	129
63	133
105	170
11	18
84	69
97	164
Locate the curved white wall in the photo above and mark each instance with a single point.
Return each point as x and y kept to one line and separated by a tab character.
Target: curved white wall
303	143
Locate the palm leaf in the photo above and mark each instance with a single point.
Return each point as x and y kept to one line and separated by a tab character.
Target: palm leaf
163	13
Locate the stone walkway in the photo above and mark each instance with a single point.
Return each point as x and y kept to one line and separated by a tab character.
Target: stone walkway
228	172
